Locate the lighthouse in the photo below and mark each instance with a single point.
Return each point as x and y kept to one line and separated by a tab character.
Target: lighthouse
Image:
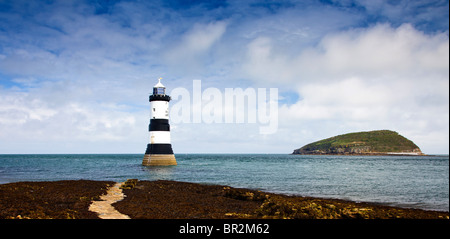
159	150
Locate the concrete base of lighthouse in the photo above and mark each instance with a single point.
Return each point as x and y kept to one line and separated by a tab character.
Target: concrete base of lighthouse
159	155
159	160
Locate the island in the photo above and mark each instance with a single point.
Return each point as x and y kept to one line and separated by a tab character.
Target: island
378	142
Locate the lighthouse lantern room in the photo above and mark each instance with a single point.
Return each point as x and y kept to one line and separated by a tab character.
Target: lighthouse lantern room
159	150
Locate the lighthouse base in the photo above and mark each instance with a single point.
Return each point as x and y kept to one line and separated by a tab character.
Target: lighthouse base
159	160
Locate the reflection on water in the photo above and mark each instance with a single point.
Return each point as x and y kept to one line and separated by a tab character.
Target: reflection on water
160	172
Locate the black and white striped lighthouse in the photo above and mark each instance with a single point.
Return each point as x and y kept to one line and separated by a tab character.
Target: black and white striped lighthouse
159	150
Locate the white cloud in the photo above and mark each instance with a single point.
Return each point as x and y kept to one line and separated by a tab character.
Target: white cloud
201	37
26	119
383	49
190	54
375	52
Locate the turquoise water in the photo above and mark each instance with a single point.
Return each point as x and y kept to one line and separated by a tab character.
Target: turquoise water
406	181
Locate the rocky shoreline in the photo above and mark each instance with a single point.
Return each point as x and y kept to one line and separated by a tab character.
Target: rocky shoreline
180	200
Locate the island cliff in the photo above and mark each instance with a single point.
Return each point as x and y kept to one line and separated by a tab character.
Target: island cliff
378	142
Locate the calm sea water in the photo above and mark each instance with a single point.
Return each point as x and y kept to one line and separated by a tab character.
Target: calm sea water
416	182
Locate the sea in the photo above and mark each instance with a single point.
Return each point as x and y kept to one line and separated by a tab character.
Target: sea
404	181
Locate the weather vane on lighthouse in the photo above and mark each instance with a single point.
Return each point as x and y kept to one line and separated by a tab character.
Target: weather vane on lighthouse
159	150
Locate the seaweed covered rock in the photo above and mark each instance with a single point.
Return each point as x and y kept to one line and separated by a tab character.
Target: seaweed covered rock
69	199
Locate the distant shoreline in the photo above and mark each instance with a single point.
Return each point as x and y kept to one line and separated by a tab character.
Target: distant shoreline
70	199
367	154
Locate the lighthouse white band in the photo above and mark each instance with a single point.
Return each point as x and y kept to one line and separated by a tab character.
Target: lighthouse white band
160	137
159	109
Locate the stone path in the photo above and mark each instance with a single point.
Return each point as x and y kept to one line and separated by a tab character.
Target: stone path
104	209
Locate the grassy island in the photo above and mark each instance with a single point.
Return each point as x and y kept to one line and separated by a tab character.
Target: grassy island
379	142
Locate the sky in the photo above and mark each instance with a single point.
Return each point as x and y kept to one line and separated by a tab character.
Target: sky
75	75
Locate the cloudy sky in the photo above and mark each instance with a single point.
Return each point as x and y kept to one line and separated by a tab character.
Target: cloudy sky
75	75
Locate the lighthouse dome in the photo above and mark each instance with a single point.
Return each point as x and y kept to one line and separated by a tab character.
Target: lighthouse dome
159	85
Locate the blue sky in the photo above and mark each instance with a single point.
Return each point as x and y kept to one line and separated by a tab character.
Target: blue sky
75	75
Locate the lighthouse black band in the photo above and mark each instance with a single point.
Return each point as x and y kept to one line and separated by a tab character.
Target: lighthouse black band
159	97
159	149
159	125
